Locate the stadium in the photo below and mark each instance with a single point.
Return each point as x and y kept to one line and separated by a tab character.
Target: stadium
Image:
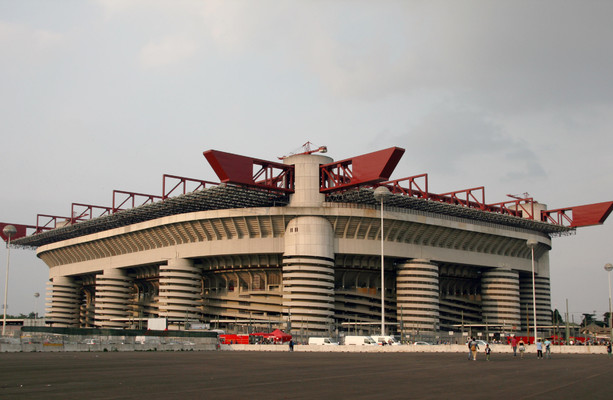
300	245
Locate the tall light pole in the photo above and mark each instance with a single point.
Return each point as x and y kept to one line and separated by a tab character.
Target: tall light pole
532	244
608	267
381	193
9	231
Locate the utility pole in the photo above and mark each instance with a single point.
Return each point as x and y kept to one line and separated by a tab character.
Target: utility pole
567	328
401	326
527	324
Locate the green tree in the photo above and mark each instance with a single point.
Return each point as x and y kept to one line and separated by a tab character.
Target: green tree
588	318
557	318
605	318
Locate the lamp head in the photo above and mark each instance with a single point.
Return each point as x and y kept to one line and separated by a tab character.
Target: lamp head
9	231
381	193
608	267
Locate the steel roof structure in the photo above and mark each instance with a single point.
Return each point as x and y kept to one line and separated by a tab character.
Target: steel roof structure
249	182
213	198
227	197
365	196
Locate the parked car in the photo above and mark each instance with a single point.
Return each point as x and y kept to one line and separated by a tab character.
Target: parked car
420	343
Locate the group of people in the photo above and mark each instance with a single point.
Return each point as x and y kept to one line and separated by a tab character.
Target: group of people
473	347
519	344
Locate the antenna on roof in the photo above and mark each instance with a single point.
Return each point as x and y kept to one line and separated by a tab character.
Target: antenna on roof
307	148
522	196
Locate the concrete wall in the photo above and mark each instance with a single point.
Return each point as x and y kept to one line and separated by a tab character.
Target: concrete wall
454	348
68	347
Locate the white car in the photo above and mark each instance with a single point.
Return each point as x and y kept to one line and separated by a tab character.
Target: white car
422	344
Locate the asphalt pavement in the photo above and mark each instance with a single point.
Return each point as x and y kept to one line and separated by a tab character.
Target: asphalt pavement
301	375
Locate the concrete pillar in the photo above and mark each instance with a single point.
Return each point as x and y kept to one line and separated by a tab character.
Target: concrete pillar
417	296
543	301
63	311
500	298
180	291
113	299
308	275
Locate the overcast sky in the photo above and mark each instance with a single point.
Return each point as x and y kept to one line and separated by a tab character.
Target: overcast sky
515	96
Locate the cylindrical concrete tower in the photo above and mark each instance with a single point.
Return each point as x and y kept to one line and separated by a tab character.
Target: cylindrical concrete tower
307	179
500	298
64	306
417	294
113	295
180	291
308	275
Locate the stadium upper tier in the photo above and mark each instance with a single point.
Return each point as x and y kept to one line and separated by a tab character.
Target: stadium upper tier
249	182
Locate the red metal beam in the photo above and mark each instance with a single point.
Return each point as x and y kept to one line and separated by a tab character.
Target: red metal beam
523	207
415	189
148	198
182	182
578	216
247	171
367	169
464	197
52	222
81	212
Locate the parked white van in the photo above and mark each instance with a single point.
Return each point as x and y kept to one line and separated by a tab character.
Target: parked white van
360	341
385	340
322	341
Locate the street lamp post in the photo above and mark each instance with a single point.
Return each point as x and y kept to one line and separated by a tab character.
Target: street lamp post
36	296
9	231
532	244
381	193
608	267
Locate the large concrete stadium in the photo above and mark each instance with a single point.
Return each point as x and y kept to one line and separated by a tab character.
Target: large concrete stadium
297	245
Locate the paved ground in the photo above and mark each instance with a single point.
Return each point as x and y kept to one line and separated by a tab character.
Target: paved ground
266	375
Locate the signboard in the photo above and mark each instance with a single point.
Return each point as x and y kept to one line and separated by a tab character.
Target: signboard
156	324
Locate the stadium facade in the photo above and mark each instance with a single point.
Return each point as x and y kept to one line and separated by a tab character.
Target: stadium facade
298	244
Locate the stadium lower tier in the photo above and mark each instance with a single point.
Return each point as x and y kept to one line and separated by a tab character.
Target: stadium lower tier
313	295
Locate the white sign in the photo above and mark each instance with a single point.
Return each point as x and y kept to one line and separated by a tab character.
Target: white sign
156	324
450	333
479	334
464	333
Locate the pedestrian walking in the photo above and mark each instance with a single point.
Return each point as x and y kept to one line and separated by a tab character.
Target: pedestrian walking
488	350
547	348
473	349
522	348
469	343
609	349
291	345
514	346
539	349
